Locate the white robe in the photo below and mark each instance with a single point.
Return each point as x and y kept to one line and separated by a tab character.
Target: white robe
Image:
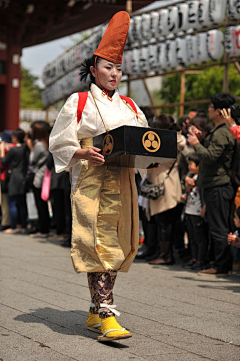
66	133
104	199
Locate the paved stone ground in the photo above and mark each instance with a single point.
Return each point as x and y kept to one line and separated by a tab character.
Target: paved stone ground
174	314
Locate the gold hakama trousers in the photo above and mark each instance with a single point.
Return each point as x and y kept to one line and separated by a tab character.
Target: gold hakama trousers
105	232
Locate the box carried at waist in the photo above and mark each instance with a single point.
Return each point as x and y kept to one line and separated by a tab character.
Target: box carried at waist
137	147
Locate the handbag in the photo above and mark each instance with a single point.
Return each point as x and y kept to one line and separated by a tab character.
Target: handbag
45	193
154	191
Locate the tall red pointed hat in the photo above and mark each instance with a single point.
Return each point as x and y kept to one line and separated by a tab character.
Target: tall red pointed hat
114	39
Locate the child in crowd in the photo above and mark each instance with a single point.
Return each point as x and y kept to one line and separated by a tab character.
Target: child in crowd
195	212
234	240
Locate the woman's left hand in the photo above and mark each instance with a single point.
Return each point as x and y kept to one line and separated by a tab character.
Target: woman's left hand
229	121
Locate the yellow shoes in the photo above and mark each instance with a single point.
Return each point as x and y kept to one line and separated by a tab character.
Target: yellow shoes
93	322
111	330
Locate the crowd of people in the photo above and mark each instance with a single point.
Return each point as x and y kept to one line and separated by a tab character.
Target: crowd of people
199	195
25	158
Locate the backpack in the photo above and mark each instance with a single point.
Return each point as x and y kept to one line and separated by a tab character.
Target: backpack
82	98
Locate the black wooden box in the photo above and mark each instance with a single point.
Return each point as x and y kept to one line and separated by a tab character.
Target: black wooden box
137	147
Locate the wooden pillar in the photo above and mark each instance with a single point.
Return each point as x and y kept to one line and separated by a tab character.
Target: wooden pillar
225	74
12	91
182	94
129	6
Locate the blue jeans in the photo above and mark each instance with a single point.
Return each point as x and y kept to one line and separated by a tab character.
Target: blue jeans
18	202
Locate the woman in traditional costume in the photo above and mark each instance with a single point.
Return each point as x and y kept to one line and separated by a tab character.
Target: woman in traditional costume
104	198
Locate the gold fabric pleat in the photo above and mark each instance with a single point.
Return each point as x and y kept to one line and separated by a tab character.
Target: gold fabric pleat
105	218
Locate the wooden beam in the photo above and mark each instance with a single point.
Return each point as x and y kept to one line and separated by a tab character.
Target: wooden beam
237	65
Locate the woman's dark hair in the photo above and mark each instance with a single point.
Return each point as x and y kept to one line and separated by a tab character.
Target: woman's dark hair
19	134
85	71
193	157
199	122
40	132
166	121
222	100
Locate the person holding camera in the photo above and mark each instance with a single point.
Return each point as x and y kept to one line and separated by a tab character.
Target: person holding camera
216	156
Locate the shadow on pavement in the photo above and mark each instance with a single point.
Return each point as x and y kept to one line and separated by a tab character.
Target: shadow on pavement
73	324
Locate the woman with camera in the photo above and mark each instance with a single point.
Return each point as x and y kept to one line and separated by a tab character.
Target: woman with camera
163	211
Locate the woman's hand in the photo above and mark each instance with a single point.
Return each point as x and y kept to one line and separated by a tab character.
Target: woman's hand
227	118
193	135
190	183
234	240
93	156
203	211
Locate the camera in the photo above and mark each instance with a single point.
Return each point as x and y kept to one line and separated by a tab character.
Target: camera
235	112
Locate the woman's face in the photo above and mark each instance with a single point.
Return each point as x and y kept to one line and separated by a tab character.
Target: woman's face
108	75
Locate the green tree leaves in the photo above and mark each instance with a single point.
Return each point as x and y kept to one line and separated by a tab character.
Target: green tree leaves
197	86
30	97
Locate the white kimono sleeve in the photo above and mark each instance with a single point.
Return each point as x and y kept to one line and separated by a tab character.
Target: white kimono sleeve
63	141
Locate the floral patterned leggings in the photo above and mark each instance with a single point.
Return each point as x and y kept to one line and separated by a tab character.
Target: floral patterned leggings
101	290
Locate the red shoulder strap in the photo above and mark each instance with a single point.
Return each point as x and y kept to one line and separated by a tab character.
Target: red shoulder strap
130	102
82	98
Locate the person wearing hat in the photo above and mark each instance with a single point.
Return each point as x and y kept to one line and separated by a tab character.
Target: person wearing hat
104	198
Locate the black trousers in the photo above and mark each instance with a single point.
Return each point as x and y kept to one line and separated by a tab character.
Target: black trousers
197	231
62	210
166	222
42	208
218	203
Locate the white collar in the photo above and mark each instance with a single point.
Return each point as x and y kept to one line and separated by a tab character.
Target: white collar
98	94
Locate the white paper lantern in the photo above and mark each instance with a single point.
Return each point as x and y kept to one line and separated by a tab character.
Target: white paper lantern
171	56
193	7
183	17
191	45
232	41
128	62
145	26
202	52
233	9
152	57
153	23
181	51
143	60
203	13
215	46
135	29
172	19
161	59
135	61
162	23
217	10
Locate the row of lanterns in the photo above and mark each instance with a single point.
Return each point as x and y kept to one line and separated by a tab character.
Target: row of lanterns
193	49
149	28
195	14
62	88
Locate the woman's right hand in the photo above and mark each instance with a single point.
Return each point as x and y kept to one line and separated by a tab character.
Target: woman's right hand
94	157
